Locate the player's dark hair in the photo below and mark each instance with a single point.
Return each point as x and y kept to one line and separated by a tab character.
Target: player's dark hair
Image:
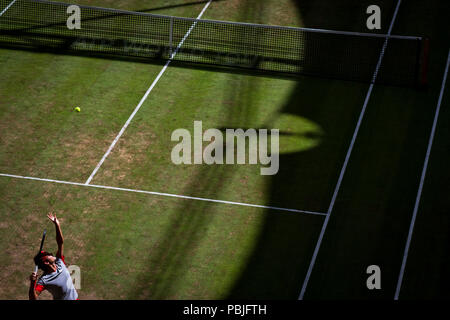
38	259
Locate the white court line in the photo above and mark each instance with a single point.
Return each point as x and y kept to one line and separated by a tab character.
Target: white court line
4	10
162	194
422	180
144	98
347	157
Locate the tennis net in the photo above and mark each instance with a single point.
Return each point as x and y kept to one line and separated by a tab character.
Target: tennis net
41	24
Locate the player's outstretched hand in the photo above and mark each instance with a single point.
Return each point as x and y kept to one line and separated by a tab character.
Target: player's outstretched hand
53	218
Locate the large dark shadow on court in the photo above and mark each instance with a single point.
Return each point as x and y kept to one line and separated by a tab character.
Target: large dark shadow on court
306	180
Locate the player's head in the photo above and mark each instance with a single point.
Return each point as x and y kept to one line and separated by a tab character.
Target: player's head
45	261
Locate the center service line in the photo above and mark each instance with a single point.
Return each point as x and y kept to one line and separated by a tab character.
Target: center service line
88	181
4	10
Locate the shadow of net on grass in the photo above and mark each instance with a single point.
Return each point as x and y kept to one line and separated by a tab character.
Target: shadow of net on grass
42	26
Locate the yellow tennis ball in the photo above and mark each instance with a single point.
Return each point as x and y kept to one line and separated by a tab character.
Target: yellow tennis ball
77	109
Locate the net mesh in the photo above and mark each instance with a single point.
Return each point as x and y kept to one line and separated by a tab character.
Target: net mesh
42	25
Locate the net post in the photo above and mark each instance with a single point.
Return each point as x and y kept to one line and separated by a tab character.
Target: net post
171	38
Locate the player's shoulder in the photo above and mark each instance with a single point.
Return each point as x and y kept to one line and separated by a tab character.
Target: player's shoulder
60	260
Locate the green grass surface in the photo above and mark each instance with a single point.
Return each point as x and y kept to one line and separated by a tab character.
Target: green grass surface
138	246
132	246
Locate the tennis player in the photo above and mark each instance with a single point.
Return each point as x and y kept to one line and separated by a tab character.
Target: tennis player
56	278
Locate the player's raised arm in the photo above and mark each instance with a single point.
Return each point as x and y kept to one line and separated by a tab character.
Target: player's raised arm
59	236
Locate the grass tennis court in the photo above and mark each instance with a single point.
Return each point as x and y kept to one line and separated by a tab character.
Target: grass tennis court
142	227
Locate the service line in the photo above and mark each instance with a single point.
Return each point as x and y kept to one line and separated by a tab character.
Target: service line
162	194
